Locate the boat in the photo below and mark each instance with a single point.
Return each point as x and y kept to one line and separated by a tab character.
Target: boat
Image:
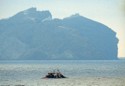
54	75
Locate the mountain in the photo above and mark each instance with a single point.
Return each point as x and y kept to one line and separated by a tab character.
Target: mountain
35	35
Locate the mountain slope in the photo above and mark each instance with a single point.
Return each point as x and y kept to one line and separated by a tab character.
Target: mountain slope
33	34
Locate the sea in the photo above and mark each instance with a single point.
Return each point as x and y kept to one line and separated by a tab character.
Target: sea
36	69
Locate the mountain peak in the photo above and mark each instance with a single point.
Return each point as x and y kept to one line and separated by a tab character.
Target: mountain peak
76	15
31	9
32	14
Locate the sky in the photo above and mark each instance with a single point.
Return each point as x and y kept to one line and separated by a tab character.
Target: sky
109	12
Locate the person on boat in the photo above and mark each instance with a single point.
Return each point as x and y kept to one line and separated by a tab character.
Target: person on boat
55	75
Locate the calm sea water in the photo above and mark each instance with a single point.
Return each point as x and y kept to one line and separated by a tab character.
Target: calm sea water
18	70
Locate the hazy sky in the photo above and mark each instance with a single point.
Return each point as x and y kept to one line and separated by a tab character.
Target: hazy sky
108	12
